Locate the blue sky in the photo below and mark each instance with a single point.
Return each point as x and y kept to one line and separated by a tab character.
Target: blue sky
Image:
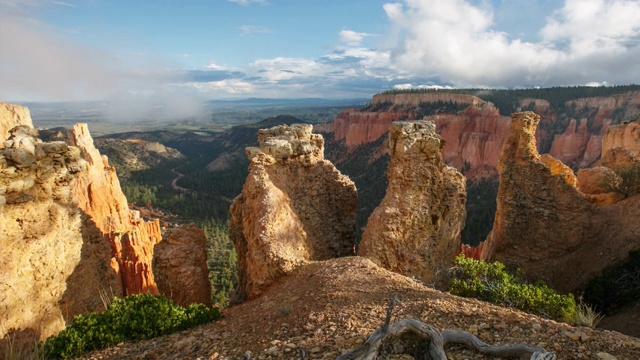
188	51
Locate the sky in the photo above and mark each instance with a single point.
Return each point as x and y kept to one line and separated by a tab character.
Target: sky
180	52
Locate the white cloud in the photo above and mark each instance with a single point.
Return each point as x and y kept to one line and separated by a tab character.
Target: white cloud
410	86
227	87
352	38
455	41
214	66
281	68
249	29
35	56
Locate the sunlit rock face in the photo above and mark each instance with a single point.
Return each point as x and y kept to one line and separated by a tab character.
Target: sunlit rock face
414	231
55	263
295	207
12	115
69	240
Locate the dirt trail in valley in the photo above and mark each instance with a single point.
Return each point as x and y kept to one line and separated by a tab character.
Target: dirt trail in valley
174	183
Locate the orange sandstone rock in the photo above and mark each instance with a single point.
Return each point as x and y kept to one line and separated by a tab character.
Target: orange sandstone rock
180	266
12	115
414	231
101	198
545	226
295	207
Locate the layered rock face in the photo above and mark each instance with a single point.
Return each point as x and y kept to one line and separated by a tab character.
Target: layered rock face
545	226
414	231
358	127
100	196
473	138
54	261
12	115
180	266
295	207
576	146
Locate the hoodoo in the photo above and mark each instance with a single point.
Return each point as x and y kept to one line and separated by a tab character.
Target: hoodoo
549	228
295	207
415	230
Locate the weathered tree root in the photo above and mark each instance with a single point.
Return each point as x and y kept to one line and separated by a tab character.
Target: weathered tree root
423	341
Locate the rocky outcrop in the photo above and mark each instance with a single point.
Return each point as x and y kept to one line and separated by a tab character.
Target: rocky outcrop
69	240
54	263
100	196
295	207
180	266
625	136
545	226
12	115
415	230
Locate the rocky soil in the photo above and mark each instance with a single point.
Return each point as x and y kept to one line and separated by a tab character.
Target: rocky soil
332	306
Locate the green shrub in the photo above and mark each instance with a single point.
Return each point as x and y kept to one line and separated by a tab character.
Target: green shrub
493	283
135	317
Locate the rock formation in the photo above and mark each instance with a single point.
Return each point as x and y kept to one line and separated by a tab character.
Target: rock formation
69	240
99	195
576	146
180	266
625	136
12	115
545	226
54	262
295	207
474	136
414	231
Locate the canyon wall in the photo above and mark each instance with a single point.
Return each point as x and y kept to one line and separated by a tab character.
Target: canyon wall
545	225
625	136
415	230
474	136
295	207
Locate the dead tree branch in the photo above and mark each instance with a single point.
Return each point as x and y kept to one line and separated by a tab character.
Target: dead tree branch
423	341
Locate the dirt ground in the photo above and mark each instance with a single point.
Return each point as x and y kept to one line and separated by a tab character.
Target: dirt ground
330	307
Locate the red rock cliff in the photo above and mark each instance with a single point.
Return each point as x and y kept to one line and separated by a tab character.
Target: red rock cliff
473	137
